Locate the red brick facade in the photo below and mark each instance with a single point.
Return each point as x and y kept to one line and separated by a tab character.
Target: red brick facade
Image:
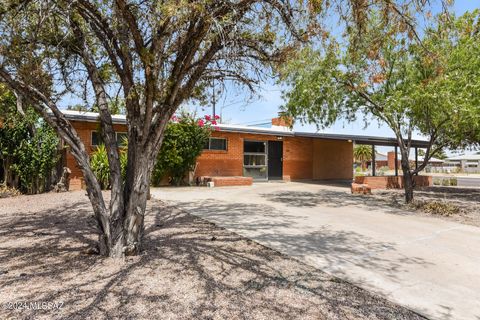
303	157
84	130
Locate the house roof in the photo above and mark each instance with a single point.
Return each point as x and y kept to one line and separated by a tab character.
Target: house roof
382	157
274	130
470	157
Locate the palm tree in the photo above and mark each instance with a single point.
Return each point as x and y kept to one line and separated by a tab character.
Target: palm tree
362	153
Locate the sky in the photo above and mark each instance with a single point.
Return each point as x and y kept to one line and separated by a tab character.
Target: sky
236	109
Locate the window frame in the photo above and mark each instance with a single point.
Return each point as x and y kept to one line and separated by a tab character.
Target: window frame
100	136
218	150
265	154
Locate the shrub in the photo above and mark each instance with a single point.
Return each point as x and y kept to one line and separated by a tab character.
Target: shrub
6	192
437	181
184	140
100	166
453	181
445	182
382	170
28	147
437	207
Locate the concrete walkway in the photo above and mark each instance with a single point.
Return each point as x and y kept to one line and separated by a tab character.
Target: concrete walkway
427	264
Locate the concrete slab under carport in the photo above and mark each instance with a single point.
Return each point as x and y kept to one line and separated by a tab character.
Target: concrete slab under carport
427	264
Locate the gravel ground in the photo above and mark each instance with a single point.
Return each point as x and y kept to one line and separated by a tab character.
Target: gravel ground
467	199
190	269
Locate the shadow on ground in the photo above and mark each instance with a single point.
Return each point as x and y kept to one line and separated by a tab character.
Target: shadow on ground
340	198
292	234
190	269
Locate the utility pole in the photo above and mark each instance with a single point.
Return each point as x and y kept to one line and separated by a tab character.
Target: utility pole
213	99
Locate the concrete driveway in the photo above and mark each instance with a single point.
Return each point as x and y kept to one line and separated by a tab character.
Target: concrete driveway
427	264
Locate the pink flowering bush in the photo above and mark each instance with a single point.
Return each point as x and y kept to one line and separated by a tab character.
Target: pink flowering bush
185	138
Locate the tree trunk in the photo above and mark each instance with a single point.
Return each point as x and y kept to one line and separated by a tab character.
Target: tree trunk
408	182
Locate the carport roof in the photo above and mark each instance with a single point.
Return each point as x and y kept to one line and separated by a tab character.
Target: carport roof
276	130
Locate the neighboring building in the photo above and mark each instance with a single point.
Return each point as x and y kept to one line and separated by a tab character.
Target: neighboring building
388	160
466	163
433	162
274	153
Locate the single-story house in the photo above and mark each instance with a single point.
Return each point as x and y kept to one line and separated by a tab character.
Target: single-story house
467	162
388	160
274	153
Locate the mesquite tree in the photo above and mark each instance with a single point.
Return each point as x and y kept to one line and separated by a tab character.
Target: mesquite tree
155	55
427	85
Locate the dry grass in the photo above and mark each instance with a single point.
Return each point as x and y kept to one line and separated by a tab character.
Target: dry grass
6	192
190	269
442	208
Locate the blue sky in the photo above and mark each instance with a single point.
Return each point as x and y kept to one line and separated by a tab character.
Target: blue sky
236	110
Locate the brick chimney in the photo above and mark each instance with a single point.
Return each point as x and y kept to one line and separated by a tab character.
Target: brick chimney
282	122
391	160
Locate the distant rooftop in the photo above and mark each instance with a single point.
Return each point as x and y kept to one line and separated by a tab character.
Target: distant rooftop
468	157
273	130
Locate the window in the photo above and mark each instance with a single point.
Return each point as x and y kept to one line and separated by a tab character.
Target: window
97	138
254	147
122	139
255	159
216	144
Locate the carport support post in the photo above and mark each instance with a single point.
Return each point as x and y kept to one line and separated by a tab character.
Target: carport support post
396	161
416	159
373	160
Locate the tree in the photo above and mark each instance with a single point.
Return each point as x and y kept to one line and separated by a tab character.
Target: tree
154	55
430	87
362	153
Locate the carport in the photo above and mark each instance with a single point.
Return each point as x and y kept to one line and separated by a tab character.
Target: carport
372	141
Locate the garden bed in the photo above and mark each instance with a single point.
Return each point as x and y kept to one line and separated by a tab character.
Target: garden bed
190	269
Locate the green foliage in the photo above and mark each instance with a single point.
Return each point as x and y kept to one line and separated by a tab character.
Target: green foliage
184	141
383	170
453	181
35	158
435	92
28	146
101	167
432	87
362	153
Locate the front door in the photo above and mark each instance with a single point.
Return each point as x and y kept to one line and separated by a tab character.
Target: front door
275	160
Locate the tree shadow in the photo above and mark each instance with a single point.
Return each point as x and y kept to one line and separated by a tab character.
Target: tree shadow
386	202
292	234
190	268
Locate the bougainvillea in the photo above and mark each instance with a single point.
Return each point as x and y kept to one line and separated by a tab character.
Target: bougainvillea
185	138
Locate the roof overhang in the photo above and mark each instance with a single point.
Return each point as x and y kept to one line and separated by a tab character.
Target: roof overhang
358	139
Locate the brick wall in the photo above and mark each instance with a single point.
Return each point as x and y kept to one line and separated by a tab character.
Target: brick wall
392	182
297	156
303	158
332	159
84	130
391	160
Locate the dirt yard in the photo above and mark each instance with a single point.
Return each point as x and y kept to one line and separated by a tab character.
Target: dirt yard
466	199
190	269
